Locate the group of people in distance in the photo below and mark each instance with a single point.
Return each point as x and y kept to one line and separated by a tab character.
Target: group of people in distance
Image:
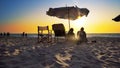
5	34
81	34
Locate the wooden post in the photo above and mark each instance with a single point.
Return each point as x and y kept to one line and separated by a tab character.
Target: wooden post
68	16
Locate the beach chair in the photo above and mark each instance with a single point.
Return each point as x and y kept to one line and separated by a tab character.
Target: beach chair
44	34
59	31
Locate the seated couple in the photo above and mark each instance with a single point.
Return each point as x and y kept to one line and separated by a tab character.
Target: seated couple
80	34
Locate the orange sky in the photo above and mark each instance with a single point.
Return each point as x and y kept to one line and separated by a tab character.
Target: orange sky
99	19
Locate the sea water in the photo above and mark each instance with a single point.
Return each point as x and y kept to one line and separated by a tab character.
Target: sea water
103	35
88	35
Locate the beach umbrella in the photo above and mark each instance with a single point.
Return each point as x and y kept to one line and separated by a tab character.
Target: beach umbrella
117	19
70	13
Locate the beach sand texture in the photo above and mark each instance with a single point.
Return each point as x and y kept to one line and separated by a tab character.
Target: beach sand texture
27	53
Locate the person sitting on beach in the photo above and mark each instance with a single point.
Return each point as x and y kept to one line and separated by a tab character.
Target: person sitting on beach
81	36
70	34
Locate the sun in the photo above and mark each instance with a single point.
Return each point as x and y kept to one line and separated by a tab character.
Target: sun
80	22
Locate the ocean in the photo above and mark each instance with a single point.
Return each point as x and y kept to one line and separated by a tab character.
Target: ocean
103	35
88	35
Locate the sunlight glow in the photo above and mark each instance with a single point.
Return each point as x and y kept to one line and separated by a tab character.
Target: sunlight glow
18	18
80	22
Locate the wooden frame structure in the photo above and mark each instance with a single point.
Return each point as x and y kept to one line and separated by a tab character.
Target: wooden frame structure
44	34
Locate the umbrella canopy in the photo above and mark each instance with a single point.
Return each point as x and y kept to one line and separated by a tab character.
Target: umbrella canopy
117	19
71	13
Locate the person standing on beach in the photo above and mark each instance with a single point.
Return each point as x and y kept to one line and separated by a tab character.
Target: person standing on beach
81	36
24	34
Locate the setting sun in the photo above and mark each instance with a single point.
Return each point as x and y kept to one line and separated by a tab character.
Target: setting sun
80	22
19	16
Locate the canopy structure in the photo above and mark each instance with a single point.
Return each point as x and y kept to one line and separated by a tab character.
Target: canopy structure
70	13
117	19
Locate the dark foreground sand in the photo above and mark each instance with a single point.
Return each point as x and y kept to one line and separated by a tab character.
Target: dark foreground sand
27	53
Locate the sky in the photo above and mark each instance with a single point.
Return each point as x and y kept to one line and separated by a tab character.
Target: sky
18	16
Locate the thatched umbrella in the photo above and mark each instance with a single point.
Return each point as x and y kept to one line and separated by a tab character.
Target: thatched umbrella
117	19
70	13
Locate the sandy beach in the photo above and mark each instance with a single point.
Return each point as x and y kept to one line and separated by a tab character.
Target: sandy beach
28	53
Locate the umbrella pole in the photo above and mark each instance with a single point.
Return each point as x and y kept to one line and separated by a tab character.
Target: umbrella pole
68	16
69	23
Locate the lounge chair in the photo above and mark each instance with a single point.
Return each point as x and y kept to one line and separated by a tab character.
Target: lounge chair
59	31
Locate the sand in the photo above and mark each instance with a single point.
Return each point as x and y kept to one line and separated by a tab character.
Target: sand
28	53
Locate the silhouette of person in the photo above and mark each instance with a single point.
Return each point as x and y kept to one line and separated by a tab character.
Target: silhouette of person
4	34
70	34
81	36
23	34
1	34
8	34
